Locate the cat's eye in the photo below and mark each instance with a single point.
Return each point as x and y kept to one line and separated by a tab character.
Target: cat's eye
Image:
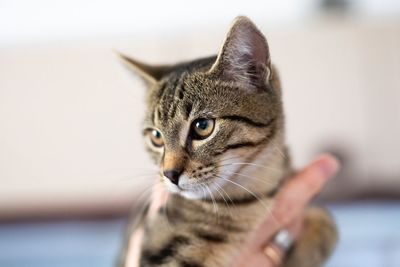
156	138
202	128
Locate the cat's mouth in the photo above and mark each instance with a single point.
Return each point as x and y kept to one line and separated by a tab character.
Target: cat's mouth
191	187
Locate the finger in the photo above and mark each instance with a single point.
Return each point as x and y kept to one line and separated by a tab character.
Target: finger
258	260
133	253
299	190
158	199
273	251
295	195
314	176
270	255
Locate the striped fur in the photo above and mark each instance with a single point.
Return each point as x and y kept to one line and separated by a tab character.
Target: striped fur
229	179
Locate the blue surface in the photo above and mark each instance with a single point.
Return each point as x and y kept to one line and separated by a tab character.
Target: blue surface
370	237
60	244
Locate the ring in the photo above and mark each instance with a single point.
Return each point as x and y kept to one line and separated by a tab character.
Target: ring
279	245
283	240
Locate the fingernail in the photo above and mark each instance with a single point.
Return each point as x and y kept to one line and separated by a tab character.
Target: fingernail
328	166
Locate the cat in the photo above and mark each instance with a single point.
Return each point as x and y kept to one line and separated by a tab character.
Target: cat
215	126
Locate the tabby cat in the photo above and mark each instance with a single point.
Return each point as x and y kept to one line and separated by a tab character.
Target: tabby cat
215	127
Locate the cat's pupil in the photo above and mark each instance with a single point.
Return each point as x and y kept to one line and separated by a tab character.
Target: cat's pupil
202	128
156	134
156	138
202	124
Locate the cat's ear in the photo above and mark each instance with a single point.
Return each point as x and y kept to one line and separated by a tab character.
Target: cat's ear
244	57
149	73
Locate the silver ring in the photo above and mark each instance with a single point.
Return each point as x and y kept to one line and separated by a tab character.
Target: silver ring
283	239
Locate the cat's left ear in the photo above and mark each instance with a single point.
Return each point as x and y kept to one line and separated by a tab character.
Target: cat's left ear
149	73
244	57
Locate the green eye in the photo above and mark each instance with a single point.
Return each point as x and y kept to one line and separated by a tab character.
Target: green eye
202	128
156	138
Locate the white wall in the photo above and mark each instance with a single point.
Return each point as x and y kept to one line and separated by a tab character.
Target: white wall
70	114
24	21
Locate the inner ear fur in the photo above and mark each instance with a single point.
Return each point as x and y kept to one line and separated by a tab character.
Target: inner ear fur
244	56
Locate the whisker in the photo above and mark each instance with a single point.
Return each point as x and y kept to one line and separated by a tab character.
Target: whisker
247	190
234	157
212	198
204	192
131	177
226	202
227	195
216	210
277	148
124	171
142	194
269	210
248	176
166	214
251	164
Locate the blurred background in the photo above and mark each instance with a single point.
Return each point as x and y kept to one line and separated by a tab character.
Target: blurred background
72	163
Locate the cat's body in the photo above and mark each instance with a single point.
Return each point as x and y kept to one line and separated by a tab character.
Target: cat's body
215	127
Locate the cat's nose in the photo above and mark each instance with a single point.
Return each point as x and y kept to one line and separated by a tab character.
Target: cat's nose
173	175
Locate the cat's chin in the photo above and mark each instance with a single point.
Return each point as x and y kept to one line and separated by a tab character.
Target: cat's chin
186	193
191	194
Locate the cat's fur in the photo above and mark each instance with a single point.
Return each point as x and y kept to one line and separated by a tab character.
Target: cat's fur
229	179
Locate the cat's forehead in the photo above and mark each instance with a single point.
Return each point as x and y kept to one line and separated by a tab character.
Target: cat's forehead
185	95
174	100
192	94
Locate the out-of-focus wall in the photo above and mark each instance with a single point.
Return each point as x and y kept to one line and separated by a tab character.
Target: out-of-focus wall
70	114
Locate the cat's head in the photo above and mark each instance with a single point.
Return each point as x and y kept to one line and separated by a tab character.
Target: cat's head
206	115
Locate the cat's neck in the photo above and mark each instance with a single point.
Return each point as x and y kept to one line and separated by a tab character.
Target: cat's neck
260	176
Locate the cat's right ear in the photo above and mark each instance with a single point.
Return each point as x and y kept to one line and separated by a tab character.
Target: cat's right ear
149	73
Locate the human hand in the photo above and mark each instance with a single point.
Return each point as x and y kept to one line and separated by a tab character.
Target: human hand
287	213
